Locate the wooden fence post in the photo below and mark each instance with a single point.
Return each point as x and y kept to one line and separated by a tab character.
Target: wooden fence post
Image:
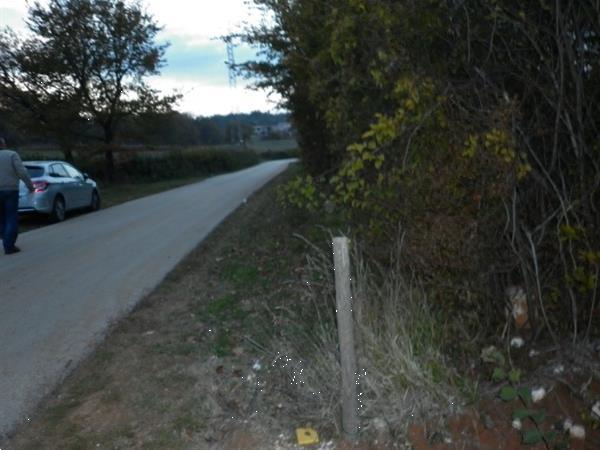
343	298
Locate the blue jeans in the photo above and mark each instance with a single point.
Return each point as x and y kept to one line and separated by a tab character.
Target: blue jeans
9	218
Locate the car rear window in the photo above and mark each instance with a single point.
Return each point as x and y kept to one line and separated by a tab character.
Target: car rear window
35	171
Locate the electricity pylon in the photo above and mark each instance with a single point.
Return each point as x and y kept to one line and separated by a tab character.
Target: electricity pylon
239	138
231	64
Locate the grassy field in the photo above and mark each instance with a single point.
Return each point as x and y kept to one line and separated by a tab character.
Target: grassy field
114	194
272	145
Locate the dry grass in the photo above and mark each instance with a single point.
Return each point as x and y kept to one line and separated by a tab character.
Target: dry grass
402	372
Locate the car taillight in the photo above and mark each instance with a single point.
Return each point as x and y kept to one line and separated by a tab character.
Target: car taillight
40	186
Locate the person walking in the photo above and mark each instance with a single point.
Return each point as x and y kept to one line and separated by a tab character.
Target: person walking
11	171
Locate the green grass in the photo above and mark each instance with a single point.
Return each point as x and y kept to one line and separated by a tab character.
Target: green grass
188	421
117	193
261	146
222	345
180	348
241	276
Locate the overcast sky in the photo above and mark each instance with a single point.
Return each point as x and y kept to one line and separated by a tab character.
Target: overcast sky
196	58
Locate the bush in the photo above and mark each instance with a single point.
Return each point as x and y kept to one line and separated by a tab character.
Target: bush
135	166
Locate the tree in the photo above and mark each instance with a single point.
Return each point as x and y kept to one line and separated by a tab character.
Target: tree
38	102
94	54
209	133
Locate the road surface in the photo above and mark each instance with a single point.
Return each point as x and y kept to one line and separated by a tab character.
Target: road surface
58	296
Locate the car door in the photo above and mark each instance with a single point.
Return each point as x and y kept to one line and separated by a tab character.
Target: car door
82	191
62	184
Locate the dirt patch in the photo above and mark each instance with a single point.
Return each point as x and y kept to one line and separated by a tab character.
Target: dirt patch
570	389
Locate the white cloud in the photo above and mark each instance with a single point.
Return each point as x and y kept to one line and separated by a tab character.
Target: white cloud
12	14
205	99
200	20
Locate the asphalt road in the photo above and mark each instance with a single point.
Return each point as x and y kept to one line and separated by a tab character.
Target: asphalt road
58	296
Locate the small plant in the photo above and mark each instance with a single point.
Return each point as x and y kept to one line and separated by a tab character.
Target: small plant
525	414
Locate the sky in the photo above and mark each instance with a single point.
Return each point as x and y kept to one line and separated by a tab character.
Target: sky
195	59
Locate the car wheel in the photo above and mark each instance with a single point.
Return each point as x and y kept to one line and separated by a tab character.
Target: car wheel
58	210
95	202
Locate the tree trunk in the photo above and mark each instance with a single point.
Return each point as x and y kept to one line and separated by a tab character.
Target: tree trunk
68	152
109	160
109	163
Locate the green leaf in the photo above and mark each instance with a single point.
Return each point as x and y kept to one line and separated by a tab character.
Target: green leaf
514	376
549	436
525	394
532	437
499	374
521	414
508	393
539	417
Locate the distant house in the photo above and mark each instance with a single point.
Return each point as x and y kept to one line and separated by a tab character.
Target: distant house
261	130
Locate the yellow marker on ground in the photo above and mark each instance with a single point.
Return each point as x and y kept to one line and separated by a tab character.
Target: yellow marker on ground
307	436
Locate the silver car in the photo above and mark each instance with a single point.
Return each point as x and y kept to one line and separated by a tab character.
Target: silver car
59	187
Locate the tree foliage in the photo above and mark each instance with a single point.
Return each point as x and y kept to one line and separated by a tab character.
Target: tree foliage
472	126
85	59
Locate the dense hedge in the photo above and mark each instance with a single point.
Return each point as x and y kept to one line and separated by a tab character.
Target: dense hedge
148	165
177	164
468	130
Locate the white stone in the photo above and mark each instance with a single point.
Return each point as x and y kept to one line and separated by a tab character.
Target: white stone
596	410
538	394
517	424
379	424
517	342
577	432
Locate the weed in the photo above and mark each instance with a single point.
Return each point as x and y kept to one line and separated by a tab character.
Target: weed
221	310
56	414
187	421
241	276
222	345
94	382
221	307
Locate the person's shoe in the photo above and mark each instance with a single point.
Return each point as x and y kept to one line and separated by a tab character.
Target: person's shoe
15	249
